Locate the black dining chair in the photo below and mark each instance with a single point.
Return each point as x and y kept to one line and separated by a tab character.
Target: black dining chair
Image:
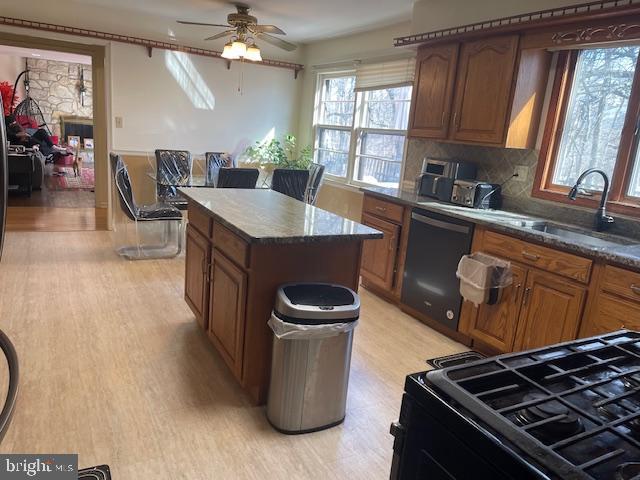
316	174
290	182
173	170
236	177
213	162
143	231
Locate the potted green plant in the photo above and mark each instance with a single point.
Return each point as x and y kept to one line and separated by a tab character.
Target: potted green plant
274	153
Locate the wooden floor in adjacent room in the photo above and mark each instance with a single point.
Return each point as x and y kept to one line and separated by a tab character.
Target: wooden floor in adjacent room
114	367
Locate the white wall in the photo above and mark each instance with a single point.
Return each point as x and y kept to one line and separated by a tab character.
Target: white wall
429	15
190	102
10	68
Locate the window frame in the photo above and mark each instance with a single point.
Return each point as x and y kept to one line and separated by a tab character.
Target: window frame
543	188
357	129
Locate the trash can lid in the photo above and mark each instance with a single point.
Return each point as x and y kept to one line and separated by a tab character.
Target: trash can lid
316	302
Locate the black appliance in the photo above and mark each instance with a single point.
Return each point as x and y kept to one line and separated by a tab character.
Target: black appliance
436	180
435	246
567	411
471	193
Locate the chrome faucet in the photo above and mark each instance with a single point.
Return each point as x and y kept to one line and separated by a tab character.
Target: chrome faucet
602	220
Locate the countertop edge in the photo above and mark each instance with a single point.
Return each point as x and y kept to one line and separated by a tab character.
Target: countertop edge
615	257
334	238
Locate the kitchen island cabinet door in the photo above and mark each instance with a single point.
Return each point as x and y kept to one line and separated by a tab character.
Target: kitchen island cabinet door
483	90
379	256
196	279
551	311
496	325
433	93
227	310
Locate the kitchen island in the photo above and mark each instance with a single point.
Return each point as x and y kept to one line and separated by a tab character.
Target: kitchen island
242	245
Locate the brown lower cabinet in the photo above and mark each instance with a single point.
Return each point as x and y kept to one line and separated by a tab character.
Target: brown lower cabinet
538	309
379	256
227	310
551	311
231	283
196	285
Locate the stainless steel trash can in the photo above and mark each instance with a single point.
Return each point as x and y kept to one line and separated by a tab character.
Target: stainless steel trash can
313	326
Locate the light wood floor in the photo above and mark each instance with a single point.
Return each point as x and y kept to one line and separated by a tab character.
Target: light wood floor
114	367
56	219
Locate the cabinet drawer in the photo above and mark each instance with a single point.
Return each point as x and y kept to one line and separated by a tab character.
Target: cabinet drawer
554	261
609	314
621	282
231	244
200	220
380	208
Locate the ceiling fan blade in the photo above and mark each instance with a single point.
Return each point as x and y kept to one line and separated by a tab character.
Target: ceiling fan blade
221	34
185	22
276	41
267	29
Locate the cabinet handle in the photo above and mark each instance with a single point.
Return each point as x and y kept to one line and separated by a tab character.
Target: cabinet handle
381	209
530	256
392	243
444	114
515	294
204	266
527	291
635	288
455	119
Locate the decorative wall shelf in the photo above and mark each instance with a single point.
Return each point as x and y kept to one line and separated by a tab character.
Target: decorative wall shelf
144	42
545	18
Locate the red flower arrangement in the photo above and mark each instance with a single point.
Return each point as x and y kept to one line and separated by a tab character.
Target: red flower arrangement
6	90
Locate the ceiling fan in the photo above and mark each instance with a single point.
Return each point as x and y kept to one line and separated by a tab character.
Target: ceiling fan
244	29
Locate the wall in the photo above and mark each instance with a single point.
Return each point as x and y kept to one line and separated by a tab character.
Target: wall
429	15
10	68
55	87
180	101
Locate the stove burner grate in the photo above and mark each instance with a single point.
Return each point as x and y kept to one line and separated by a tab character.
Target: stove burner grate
574	407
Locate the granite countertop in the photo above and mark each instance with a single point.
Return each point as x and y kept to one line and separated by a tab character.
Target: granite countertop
624	251
266	216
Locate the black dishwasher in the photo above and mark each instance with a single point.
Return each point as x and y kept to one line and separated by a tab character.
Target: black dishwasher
436	244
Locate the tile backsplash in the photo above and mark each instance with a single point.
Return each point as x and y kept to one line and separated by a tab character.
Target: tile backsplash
496	165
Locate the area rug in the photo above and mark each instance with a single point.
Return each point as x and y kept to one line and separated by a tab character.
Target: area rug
63	178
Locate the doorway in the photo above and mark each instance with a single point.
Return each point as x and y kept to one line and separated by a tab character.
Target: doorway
58	168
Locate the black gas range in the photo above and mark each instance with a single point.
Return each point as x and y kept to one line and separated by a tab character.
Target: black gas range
568	411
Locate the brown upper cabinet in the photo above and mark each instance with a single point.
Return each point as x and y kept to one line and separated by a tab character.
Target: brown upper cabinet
482	92
435	80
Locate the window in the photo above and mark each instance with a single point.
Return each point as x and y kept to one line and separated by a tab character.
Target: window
333	133
592	123
360	136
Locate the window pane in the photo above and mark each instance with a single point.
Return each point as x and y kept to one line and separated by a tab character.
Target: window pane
388	108
333	150
595	114
380	159
337	113
341	88
398	93
634	184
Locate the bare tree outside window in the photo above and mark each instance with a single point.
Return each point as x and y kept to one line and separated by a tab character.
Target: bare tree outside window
595	115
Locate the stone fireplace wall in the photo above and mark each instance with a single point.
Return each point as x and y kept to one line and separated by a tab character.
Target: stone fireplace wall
55	86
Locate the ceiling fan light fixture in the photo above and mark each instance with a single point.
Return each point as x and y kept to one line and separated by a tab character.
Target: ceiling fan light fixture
253	53
239	48
228	52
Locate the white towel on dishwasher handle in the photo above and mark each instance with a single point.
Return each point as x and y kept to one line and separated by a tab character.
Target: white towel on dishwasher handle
480	273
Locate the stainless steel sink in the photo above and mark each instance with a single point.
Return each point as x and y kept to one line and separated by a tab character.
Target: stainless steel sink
572	235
